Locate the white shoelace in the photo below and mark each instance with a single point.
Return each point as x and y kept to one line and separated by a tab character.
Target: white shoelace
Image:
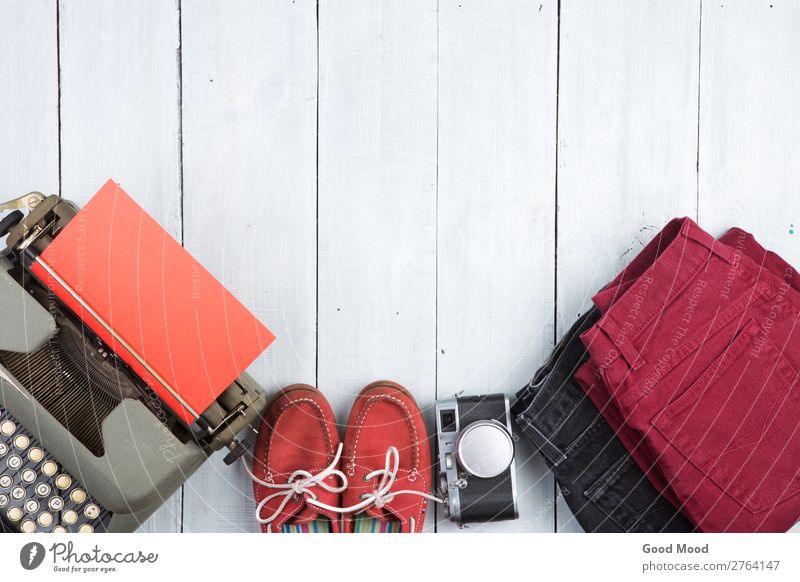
381	495
300	482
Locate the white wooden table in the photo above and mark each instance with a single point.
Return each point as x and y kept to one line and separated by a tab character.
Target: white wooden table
427	191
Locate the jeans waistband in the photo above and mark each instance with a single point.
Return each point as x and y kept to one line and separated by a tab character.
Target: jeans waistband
676	258
552	410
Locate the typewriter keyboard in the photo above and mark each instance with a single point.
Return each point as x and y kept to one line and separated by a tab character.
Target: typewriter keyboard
36	493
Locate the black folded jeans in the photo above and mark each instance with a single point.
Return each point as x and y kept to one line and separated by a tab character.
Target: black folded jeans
601	483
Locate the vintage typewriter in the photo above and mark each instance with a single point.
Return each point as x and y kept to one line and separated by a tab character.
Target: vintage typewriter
121	365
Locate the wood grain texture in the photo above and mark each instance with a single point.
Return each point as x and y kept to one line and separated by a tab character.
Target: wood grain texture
481	169
749	119
496	235
377	199
627	140
249	120
28	98
120	117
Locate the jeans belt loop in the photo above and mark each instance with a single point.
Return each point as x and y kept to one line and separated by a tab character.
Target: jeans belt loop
541	441
626	350
693	232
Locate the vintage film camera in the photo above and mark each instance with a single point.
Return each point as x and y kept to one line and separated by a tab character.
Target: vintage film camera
476	459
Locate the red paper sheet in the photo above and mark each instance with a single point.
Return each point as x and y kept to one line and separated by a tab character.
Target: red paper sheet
193	335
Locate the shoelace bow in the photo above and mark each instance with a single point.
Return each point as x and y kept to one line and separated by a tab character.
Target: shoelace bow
300	482
382	494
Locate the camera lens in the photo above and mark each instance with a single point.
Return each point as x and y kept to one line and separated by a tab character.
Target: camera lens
485	449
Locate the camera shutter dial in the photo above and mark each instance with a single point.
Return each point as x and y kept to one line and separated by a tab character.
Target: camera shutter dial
485	449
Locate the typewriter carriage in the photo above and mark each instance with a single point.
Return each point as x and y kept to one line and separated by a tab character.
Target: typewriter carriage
236	409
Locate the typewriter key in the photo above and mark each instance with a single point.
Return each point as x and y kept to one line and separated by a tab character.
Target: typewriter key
31	506
7	427
86	528
49	468
63	481
17	493
3	449
14	461
28	476
45	519
43	489
14	513
69	517
3	499
78	495
56	503
91	511
28	526
59	529
6	481
35	454
21	441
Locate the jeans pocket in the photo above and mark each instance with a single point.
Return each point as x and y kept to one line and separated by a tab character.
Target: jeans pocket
675	355
739	422
624	494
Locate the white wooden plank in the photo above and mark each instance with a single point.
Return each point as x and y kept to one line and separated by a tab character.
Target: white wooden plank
28	98
120	117
749	119
377	198
627	140
497	131
249	127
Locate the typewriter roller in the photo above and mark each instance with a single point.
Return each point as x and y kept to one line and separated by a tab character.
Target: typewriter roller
95	431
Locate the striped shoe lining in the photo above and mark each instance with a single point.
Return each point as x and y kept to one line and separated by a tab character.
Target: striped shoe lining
316	526
363	523
366	524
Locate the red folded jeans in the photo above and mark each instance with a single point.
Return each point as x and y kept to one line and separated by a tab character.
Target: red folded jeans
694	363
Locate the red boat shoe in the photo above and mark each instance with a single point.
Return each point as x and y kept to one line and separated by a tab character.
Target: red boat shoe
387	461
297	481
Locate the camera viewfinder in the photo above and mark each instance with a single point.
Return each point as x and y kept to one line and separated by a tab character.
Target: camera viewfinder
448	421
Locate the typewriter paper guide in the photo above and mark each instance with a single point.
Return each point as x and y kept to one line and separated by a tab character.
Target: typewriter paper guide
179	329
